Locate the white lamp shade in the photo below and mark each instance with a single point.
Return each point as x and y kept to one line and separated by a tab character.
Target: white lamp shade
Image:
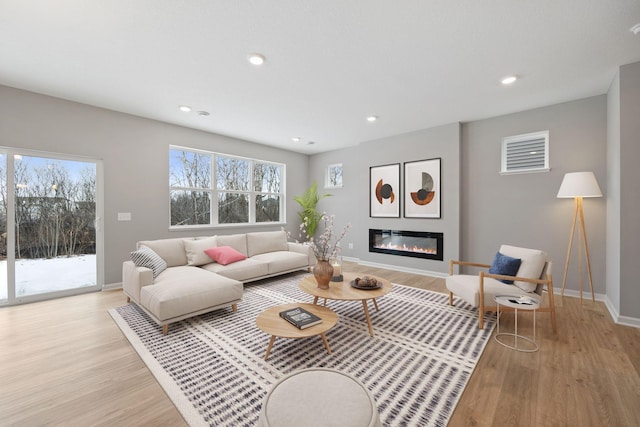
579	184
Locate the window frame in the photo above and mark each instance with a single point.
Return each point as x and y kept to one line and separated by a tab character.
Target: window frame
214	191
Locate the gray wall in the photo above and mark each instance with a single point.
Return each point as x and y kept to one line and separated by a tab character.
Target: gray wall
351	203
629	190
481	208
135	152
491	209
613	195
523	210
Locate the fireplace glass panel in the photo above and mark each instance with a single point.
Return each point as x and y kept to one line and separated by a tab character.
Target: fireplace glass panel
417	244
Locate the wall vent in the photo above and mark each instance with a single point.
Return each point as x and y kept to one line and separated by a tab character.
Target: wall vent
525	153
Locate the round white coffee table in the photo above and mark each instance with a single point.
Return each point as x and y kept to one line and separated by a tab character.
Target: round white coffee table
517	302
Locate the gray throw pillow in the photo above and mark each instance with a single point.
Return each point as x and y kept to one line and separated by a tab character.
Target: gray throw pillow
145	257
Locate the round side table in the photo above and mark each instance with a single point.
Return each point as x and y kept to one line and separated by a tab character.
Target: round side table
517	302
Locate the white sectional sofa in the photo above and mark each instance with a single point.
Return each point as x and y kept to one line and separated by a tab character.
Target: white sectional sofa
173	279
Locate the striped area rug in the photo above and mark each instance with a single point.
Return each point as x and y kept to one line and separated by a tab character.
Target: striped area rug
416	366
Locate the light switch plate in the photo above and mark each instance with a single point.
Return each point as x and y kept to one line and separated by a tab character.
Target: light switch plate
124	216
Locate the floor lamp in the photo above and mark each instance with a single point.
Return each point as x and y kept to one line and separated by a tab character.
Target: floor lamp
577	185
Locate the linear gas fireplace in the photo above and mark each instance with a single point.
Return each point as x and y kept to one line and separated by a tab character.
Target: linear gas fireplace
417	244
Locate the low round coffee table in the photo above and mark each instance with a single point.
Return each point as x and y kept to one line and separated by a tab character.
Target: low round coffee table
345	292
269	321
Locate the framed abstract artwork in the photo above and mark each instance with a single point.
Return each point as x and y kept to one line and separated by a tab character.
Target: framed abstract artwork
422	190
384	191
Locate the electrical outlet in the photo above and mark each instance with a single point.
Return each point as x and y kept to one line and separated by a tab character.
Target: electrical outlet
350	245
124	216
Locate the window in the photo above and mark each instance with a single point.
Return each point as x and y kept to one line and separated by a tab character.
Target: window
334	176
525	153
213	189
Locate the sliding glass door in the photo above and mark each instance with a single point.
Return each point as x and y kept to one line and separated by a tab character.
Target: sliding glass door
4	284
50	235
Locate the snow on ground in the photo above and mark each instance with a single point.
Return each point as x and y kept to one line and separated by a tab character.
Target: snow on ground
35	276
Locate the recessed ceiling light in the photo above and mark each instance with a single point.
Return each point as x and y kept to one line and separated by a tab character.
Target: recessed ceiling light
636	29
310	143
256	59
508	80
203	113
372	119
296	139
185	108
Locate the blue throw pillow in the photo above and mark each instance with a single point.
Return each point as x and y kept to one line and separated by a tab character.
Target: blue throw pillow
505	265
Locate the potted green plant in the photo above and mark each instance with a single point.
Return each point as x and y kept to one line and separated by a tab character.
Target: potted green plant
309	215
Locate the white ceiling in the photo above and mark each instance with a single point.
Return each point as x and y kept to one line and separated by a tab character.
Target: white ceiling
414	63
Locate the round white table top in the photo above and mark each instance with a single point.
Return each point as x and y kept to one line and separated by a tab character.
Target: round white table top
520	302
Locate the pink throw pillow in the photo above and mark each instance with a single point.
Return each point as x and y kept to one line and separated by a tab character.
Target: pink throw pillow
225	255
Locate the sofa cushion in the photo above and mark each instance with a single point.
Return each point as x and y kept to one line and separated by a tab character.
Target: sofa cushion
506	266
170	250
195	250
266	241
145	257
182	290
533	262
236	241
245	270
282	261
224	255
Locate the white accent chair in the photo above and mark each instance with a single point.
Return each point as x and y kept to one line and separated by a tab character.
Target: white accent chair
480	289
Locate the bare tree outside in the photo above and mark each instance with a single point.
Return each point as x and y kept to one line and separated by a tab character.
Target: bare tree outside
267	179
190	182
238	183
54	212
232	175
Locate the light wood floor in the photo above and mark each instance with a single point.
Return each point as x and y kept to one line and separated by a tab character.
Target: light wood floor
65	362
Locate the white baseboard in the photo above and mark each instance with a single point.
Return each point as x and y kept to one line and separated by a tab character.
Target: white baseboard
576	294
398	268
621	320
112	287
615	316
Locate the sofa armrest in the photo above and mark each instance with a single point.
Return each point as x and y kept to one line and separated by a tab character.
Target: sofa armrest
303	249
134	278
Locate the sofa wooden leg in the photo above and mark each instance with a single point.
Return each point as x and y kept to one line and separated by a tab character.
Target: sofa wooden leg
128	299
234	307
165	329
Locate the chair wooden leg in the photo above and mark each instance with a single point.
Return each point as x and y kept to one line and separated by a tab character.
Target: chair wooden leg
165	329
450	298
481	302
552	308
